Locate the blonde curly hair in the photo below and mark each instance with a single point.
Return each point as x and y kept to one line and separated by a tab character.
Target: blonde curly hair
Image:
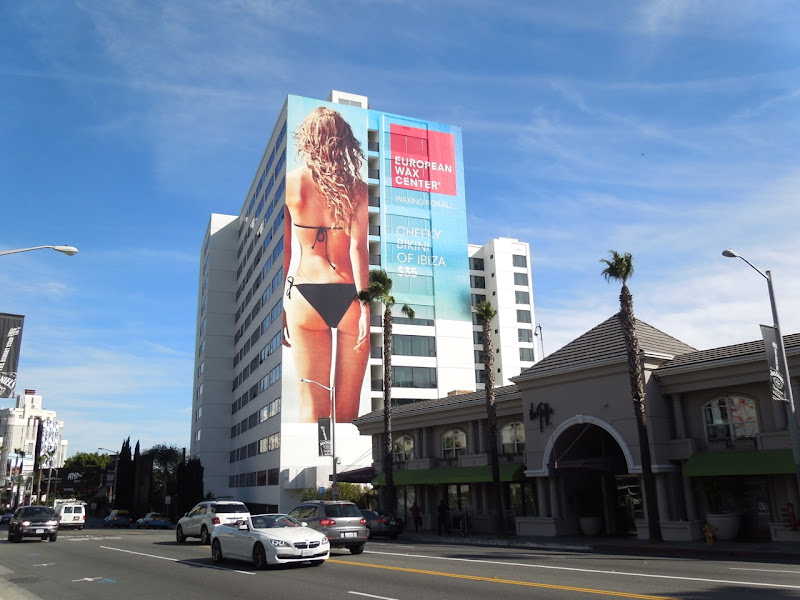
333	155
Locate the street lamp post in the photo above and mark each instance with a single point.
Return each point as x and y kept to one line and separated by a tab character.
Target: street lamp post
784	366
537	331
332	392
114	483
68	250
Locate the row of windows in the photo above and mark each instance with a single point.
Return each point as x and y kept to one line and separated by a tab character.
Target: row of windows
518	260
265	412
273	315
267	444
254	478
453	443
254	390
263	274
479	282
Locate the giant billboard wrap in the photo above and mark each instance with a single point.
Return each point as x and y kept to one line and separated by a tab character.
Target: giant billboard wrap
326	262
11	340
425	222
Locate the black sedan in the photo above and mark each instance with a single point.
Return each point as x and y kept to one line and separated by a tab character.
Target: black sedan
380	523
33	521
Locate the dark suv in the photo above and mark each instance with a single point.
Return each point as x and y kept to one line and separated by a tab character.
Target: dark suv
341	521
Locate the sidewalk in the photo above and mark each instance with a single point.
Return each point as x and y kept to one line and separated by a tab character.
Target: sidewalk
721	550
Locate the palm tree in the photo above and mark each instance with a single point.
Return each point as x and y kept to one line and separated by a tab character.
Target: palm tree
50	456
20	452
620	268
379	289
486	312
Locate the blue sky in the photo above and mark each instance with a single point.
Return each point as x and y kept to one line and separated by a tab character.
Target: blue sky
668	129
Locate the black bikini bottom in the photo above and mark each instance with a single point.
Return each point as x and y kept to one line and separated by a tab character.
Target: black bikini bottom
330	300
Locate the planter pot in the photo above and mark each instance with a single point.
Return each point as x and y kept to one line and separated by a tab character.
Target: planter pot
726	525
591	525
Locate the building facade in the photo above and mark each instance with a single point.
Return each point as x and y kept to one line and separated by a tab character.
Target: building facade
21	428
280	339
500	272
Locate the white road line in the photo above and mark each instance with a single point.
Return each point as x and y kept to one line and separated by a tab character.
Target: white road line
764	570
178	560
372	596
597	571
44	565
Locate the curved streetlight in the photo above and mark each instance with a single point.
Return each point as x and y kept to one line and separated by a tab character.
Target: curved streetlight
114	483
68	250
783	365
537	331
332	391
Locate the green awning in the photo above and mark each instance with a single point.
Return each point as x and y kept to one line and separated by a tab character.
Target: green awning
483	474
740	462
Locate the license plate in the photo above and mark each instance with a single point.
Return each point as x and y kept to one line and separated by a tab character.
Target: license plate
349	534
40	531
392	522
307	552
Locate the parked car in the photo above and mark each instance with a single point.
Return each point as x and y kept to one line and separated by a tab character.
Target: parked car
383	524
118	518
205	516
270	539
33	521
6	518
341	521
71	515
153	520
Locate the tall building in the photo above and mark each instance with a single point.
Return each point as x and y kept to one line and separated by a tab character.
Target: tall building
500	272
21	428
340	189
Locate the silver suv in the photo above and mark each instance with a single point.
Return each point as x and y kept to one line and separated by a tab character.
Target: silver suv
341	521
201	520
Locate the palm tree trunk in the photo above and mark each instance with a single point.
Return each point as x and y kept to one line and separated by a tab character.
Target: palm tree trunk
637	392
388	449
491	425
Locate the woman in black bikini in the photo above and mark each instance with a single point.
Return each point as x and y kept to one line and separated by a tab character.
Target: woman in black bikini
327	212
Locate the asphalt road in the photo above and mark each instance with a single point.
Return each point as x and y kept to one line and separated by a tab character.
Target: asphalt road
134	564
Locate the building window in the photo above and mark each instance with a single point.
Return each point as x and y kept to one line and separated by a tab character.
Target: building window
414	377
512	438
526	354
522	297
476	264
524	335
730	419
413	345
403	448
477	337
477	298
521	279
477	281
523	316
520	260
479	357
480	376
197	436
454	443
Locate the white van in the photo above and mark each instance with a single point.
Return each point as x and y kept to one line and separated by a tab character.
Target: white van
71	515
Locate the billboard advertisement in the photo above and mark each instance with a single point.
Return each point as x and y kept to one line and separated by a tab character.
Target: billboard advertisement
326	261
425	222
11	340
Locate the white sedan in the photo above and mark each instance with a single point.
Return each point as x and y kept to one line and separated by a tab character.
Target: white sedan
270	539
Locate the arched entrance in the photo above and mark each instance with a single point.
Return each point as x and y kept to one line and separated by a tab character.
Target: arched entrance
587	459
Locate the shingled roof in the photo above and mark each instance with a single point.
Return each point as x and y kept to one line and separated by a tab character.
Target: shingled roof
604	344
741	352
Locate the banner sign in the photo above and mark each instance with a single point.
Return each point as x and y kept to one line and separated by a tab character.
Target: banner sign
324	434
11	339
777	382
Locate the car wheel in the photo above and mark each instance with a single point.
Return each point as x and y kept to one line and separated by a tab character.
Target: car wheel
53	537
357	549
316	563
369	532
80	527
179	535
216	551
259	557
205	537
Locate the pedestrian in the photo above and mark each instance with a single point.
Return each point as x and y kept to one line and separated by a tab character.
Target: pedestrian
416	516
443	517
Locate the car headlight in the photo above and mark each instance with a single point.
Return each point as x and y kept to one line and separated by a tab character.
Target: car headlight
280	544
26	523
52	523
324	541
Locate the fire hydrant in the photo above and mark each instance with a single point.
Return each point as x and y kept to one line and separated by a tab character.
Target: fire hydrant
708	530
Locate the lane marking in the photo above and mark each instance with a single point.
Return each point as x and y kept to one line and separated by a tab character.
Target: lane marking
44	565
194	563
372	596
764	570
594	571
508	581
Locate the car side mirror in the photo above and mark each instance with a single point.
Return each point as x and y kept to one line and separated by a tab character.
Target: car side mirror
243	527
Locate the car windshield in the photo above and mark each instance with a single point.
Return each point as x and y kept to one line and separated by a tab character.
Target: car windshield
342	510
37	511
231	508
270	521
